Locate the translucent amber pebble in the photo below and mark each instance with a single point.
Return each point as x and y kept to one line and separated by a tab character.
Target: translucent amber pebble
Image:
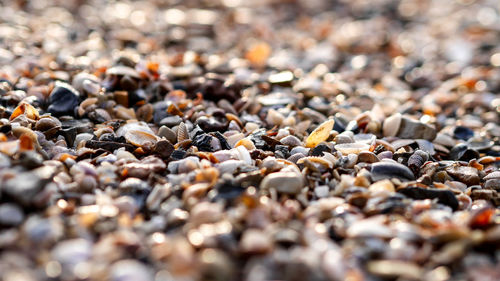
26	109
320	134
258	53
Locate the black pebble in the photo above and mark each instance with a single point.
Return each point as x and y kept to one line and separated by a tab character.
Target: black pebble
445	197
463	133
178	154
319	149
63	100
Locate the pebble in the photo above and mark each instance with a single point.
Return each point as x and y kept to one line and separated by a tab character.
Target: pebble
445	197
285	182
320	134
63	99
255	241
467	175
388	170
130	270
395	269
406	128
11	214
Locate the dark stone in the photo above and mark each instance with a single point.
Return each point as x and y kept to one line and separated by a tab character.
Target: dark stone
271	142
223	142
109	146
319	149
463	152
170	121
160	111
135	188
72	127
23	187
136	96
30	160
387	170
281	151
340	124
211	124
228	190
63	100
352	126
445	197
5	129
256	138
163	148
203	142
178	154
463	133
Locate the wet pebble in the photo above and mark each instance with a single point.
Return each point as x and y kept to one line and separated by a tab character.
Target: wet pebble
285	182
63	100
390	169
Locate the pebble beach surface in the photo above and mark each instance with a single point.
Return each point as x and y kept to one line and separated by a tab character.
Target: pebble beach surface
249	140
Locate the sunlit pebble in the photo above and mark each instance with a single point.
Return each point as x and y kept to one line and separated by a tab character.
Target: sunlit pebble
243	16
53	269
207	230
358	62
122	10
251	190
201	16
408	8
189	57
223	227
15	275
399	62
282	76
320	228
453	67
158	238
175	16
195	238
109	211
178	33
495	59
61	203
82	270
340	98
425	118
331	77
486	16
208	255
232	3
163	275
439	274
480	85
138	18
320	69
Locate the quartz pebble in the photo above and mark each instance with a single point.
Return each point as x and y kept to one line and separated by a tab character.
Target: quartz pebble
285	182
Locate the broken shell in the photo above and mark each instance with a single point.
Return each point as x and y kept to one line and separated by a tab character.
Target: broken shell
182	132
247	143
27	109
140	138
352	148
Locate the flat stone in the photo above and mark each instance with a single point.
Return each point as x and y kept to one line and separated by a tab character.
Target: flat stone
445	197
467	175
391	169
406	128
11	214
284	182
